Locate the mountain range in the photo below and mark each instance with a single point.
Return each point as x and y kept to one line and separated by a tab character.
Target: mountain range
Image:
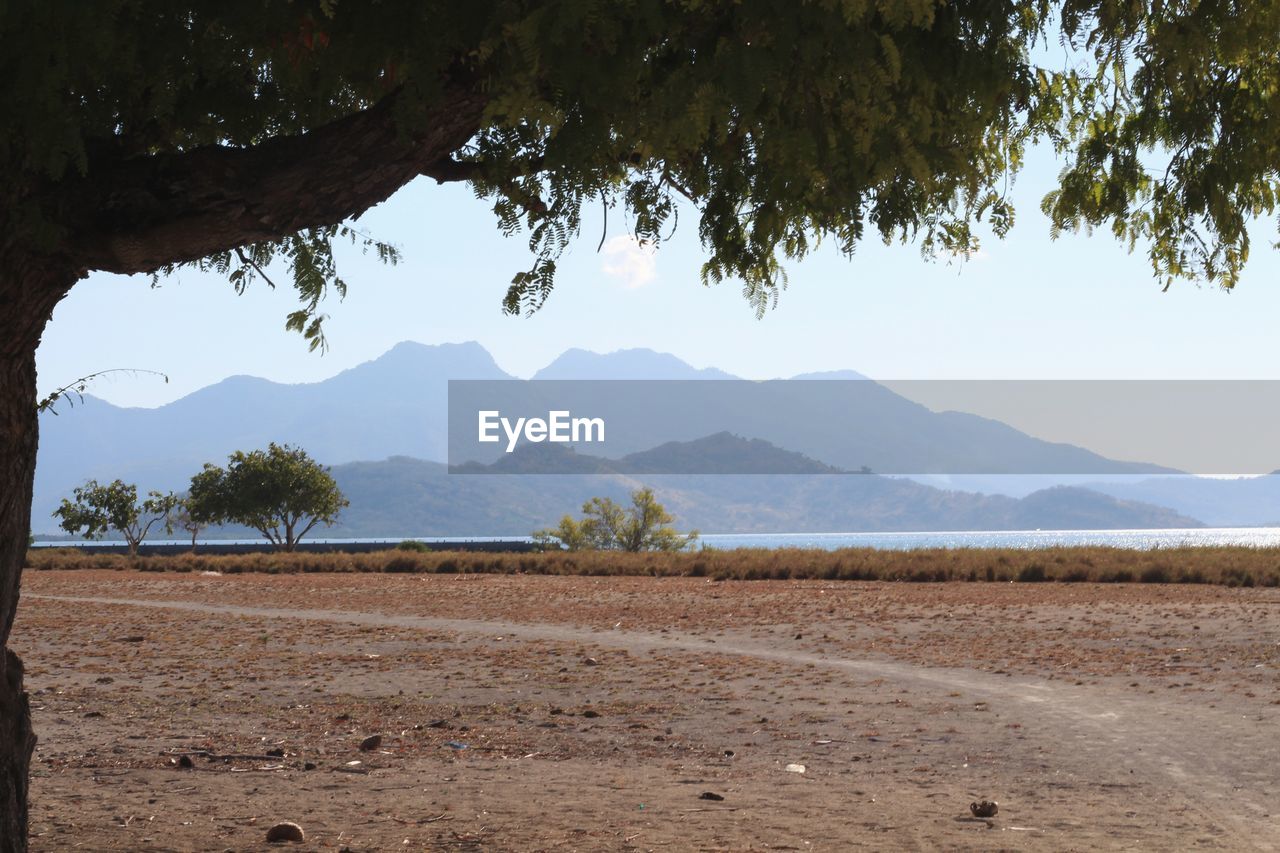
514	497
385	422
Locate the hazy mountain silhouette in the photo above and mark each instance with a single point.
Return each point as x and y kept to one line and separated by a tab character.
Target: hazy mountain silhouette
1218	502
624	364
411	497
395	406
722	453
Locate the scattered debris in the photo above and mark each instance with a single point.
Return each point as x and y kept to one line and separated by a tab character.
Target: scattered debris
453	744
984	808
285	831
795	768
224	757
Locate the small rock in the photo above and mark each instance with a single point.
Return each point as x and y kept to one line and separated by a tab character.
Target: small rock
728	753
90	715
278	752
133	638
185	762
591	662
105	679
438	724
371	743
984	808
285	831
710	795
308	765
795	768
590	714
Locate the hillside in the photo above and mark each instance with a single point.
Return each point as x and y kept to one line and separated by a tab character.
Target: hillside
416	498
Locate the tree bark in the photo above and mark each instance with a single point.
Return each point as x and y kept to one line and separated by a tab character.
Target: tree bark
28	291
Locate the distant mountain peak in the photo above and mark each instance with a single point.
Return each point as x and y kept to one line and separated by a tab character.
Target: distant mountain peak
635	363
722	453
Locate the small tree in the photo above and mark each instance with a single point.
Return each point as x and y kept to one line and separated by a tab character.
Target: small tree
96	509
281	492
181	517
607	526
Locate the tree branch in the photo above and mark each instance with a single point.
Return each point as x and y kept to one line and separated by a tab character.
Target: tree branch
131	215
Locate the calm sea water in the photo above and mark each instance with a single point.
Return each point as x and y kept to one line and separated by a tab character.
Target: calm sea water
1258	537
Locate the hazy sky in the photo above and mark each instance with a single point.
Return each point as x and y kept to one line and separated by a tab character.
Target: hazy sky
1028	307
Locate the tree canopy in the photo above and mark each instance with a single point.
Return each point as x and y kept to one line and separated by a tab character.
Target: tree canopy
96	509
281	492
143	135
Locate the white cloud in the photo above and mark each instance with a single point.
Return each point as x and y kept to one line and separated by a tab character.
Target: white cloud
629	260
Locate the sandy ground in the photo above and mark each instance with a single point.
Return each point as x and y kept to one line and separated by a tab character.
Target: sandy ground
545	713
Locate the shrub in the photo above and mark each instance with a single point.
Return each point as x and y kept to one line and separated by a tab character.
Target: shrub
1234	566
1033	573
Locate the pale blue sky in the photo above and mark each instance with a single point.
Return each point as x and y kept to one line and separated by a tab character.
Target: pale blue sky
1027	308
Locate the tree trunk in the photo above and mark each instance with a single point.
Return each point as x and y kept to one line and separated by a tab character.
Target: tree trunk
28	292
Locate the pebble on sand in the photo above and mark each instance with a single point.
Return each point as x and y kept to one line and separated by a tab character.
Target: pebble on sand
371	743
984	808
286	831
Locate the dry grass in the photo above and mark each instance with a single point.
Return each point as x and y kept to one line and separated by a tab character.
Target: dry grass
1231	566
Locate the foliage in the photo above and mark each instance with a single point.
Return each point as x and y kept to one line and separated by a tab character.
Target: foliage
74	392
1226	565
607	526
180	517
96	509
280	492
782	123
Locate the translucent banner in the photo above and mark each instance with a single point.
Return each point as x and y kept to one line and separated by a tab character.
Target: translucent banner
909	427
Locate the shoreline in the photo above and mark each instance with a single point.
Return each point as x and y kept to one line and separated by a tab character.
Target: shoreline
1242	566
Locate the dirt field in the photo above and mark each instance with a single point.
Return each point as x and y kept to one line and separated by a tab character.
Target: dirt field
556	713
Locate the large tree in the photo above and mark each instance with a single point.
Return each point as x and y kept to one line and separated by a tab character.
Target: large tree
281	492
240	133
